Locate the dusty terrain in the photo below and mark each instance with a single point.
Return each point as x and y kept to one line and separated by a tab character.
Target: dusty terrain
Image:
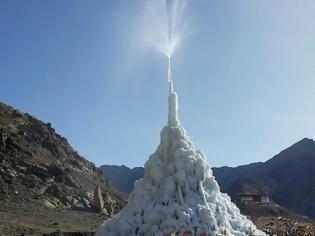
284	226
31	219
276	220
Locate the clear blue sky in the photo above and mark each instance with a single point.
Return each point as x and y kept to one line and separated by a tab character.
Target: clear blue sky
244	76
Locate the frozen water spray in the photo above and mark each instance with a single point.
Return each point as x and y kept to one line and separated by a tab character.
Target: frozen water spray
178	193
173	12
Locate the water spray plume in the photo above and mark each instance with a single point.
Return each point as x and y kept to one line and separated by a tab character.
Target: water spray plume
167	25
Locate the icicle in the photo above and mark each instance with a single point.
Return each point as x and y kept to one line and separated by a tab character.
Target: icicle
180	194
202	193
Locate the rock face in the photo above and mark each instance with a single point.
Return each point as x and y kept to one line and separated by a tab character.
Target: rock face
177	193
98	199
38	165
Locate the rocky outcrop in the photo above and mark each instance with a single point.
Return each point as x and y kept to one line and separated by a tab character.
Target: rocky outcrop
3	140
39	165
98	200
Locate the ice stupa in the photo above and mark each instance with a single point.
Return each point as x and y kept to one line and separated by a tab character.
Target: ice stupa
178	194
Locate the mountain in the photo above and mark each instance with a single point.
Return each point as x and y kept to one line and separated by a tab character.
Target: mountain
288	178
122	177
39	169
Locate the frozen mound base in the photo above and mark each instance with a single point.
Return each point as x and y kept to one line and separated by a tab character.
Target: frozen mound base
178	194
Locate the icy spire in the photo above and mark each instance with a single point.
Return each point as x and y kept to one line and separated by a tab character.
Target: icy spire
169	77
172	99
178	193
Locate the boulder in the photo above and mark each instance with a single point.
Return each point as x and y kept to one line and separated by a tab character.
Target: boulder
3	186
78	205
55	170
55	191
70	181
48	204
85	202
37	170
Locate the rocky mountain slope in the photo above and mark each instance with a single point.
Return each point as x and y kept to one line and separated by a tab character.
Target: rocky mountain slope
39	168
288	178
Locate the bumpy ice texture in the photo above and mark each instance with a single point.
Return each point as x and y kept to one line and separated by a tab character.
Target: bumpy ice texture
178	193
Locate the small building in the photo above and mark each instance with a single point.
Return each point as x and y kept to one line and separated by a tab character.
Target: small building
250	198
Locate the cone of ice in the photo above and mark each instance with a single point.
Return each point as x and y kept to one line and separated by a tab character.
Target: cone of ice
178	192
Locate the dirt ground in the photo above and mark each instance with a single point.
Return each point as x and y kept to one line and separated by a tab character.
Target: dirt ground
284	226
25	220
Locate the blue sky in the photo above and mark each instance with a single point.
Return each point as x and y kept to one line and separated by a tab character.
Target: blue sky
244	76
